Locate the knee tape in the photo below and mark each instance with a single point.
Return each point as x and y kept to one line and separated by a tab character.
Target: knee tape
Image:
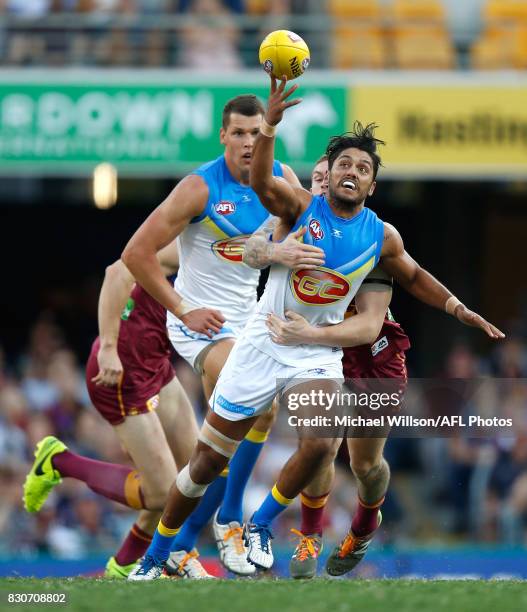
217	441
187	486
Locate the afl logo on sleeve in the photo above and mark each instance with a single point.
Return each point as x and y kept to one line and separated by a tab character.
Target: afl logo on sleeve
230	249
225	207
315	229
318	287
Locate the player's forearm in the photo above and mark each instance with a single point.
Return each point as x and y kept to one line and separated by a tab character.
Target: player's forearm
262	159
360	329
261	174
147	271
258	251
115	291
427	289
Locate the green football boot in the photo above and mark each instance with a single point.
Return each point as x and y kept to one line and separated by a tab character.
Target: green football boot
42	476
114	570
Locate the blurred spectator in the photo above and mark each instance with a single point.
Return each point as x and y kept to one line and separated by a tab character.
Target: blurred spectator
509	359
237	6
14	418
210	43
508	491
32	9
45	340
272	15
461	362
63	374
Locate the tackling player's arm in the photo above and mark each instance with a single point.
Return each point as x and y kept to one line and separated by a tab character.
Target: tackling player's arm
186	201
260	252
115	291
422	285
279	195
362	328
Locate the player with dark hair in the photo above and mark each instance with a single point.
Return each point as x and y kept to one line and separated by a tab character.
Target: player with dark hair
142	346
353	165
212	211
385	358
257	367
229	420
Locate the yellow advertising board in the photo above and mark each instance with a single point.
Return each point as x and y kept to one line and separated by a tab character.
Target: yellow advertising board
453	130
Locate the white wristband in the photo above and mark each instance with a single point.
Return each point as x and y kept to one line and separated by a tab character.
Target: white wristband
451	304
184	308
267	129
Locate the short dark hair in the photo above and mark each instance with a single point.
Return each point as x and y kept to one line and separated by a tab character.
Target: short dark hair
361	137
321	159
247	104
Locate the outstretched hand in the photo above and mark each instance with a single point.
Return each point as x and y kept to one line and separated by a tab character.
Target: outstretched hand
469	317
278	103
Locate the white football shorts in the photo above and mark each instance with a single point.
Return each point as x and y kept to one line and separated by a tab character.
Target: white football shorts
250	380
193	346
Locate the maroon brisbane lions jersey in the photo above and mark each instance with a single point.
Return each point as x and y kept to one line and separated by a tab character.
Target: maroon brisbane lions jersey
375	361
143	339
145	352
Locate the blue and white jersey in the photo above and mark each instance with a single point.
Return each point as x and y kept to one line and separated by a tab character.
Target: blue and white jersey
211	271
352	249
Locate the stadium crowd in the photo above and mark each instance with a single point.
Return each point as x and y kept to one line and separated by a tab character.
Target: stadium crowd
444	489
223	35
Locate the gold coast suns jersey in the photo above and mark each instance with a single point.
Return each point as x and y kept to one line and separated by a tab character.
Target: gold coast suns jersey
211	271
352	249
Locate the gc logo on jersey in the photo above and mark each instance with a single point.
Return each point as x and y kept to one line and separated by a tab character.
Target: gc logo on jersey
318	287
230	249
225	207
315	229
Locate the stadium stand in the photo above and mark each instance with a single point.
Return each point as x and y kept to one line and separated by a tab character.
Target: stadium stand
503	43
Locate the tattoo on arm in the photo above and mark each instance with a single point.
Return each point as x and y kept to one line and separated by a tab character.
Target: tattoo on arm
258	248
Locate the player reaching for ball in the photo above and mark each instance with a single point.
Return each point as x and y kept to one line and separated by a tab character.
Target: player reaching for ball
249	379
385	358
213	211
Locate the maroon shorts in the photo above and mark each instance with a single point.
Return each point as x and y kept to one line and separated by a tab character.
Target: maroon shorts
371	377
137	392
394	367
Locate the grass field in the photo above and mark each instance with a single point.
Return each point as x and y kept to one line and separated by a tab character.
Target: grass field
272	595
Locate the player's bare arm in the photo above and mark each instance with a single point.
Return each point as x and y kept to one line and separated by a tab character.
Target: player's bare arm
261	252
422	285
276	193
186	201
362	328
115	291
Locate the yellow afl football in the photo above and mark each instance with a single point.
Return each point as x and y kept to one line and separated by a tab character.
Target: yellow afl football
284	53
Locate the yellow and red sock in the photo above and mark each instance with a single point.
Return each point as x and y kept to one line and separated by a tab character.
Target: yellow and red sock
118	482
134	546
312	513
366	519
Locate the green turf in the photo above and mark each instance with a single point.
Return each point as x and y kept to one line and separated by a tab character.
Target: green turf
273	595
